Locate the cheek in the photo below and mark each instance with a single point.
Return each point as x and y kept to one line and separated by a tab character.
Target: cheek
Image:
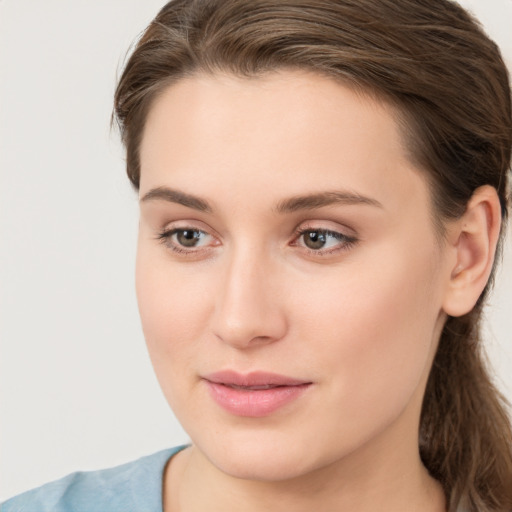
173	307
374	328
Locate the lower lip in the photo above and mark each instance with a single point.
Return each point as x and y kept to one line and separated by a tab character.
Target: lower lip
254	403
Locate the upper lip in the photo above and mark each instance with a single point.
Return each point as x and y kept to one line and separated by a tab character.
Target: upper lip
257	378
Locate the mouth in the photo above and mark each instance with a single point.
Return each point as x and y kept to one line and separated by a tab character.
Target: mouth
251	388
255	394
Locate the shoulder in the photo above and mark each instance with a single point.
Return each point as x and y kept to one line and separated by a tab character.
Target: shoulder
135	486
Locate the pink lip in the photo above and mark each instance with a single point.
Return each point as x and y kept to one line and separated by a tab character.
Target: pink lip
255	394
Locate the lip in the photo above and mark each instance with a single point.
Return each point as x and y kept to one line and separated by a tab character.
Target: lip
255	394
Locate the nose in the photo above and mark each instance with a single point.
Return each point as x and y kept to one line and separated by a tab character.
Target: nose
249	309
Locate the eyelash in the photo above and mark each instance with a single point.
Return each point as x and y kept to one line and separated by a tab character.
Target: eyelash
347	241
165	237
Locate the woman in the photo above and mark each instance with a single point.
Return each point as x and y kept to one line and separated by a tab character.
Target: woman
323	188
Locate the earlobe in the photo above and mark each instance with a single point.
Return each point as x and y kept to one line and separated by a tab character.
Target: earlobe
475	238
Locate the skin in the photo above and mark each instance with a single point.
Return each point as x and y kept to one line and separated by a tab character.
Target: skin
360	320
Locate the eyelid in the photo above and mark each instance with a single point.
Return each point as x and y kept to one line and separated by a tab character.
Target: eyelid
187	223
325	225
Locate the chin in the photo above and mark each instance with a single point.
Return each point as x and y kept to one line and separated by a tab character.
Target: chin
266	456
261	465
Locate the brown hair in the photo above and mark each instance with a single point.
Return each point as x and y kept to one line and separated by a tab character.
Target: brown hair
450	87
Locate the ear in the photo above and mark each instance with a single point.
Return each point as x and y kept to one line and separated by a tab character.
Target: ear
473	240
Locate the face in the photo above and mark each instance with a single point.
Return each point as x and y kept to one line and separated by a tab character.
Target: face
288	274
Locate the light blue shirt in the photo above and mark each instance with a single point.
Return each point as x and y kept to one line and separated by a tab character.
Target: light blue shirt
132	487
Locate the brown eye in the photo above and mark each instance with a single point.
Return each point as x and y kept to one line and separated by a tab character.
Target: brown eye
315	239
186	240
324	241
188	237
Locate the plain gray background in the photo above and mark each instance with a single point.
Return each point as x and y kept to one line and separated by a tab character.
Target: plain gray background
77	389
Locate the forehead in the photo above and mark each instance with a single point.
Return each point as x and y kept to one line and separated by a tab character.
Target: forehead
284	132
278	99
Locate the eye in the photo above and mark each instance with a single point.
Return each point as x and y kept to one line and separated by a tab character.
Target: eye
323	241
189	237
185	239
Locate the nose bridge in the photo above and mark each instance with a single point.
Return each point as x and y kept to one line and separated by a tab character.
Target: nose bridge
248	309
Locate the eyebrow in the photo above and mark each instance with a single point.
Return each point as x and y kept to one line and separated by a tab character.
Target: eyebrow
175	196
319	200
293	204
